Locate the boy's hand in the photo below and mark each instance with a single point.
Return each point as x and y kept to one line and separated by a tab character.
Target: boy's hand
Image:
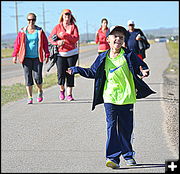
145	72
69	71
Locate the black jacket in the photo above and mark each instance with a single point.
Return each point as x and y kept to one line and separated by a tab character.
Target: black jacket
142	45
97	71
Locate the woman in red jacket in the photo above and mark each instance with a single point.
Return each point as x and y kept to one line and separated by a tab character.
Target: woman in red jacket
30	47
68	36
101	36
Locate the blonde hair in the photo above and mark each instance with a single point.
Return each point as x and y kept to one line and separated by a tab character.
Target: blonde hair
31	14
73	20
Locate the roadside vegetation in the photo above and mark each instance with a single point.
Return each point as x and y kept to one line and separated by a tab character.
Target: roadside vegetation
18	90
173	49
6	52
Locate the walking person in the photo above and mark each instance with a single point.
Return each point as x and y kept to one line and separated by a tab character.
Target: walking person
136	40
101	36
117	86
29	47
68	36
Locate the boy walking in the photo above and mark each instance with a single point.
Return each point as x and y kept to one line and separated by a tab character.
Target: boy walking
117	86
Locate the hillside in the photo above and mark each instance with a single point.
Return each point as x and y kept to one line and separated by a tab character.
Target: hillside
9	38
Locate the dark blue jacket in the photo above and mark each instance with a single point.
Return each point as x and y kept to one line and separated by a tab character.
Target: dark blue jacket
97	71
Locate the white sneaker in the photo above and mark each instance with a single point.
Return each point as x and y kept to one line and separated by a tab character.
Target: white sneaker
131	162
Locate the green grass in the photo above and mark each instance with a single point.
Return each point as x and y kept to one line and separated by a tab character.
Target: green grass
173	49
18	90
6	52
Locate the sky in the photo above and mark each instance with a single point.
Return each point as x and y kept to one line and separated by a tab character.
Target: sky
88	14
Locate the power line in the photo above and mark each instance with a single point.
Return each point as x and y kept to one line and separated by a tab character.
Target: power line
16	16
87	33
44	19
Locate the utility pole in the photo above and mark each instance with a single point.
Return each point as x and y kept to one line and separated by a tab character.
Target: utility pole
17	29
87	31
44	19
16	16
44	23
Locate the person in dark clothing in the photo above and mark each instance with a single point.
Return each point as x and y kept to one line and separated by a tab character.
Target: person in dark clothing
117	86
136	40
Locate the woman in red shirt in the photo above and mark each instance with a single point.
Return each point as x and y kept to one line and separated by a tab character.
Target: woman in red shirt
101	36
68	36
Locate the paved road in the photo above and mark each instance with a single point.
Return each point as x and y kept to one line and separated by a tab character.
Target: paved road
60	136
13	73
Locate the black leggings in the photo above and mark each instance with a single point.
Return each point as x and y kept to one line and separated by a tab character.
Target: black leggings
63	63
32	68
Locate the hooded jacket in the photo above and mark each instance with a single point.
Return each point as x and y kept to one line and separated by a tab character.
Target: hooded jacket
70	39
20	45
101	39
97	72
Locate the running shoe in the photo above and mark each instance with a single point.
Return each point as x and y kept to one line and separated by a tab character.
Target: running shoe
112	164
40	97
70	98
131	162
62	96
30	101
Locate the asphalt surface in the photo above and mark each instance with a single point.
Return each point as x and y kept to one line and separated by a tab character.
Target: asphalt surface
13	73
67	137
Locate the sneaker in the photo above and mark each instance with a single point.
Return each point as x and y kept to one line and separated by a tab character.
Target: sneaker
112	164
70	98
40	97
131	162
62	96
30	101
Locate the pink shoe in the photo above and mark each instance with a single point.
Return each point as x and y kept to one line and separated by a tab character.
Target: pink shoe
30	101
62	96
40	97
70	98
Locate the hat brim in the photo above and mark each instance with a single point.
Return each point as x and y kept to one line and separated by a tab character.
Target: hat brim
118	28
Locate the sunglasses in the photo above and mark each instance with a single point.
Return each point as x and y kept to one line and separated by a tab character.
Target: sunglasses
31	19
67	13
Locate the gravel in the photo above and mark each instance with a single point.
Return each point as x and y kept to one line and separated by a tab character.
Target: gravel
171	102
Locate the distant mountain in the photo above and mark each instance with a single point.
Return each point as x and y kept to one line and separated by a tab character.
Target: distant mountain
162	32
91	36
12	36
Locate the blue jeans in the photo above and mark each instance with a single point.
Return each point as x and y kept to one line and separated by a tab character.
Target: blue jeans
119	120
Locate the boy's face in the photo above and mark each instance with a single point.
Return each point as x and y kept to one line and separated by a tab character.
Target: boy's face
116	40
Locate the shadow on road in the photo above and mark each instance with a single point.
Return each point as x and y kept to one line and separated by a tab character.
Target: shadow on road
149	99
151	83
78	101
138	166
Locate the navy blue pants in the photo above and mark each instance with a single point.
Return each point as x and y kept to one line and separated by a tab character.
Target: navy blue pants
119	120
